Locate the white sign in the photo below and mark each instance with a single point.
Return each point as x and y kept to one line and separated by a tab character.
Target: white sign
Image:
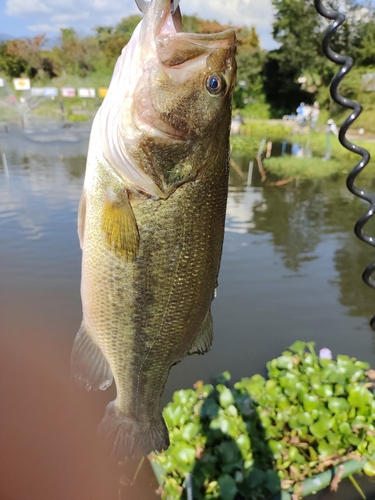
21	83
1	82
50	91
68	92
86	92
37	92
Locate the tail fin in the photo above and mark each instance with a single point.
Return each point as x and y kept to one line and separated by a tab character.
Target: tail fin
89	366
130	439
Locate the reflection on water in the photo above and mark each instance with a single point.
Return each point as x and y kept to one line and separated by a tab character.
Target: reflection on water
291	269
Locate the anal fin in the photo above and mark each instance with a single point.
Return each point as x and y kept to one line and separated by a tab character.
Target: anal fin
203	341
89	366
120	226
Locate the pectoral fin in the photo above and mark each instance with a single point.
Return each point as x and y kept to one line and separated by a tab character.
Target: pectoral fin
203	342
120	227
81	217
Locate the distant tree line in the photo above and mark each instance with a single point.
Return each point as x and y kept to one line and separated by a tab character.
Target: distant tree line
272	78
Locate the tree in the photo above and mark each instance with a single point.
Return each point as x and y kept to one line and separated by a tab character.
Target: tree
77	56
250	60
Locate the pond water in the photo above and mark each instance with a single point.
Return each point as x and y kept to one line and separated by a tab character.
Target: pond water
291	269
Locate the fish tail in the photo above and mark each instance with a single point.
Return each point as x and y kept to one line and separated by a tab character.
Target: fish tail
89	366
131	439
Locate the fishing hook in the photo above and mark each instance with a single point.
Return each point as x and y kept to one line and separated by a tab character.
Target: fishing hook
142	5
347	63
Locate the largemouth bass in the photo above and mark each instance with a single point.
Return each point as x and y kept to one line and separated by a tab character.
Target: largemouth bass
151	221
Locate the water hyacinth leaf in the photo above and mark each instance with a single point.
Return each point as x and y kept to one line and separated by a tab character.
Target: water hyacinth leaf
324	391
183	452
228	452
298	347
182	397
210	408
369	468
359	396
172	415
285	362
320	428
353	439
315	380
255	385
228	488
275	447
325	449
362	365
338	405
345	428
226	397
334	438
221	378
225	425
190	430
243	443
311	402
305	418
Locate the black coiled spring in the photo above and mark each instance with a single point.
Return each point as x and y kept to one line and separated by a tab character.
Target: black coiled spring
347	64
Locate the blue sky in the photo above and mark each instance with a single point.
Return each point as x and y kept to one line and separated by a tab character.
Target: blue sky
32	17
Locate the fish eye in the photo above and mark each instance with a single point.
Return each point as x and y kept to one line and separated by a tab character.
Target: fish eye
215	84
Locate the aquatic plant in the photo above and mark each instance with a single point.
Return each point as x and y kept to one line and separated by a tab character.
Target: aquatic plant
264	435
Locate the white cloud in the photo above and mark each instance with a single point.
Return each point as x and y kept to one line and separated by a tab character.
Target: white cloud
18	8
43	28
83	15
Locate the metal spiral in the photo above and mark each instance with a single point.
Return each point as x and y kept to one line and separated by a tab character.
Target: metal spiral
347	64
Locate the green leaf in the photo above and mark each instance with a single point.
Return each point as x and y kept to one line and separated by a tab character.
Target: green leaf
359	396
338	405
183	452
325	449
320	428
255	385
190	430
345	428
221	378
369	468
275	448
228	488
172	415
305	418
210	408
324	391
311	402
298	346
226	397
228	452
285	362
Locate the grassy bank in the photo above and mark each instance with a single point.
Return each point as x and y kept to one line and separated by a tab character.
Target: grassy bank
313	165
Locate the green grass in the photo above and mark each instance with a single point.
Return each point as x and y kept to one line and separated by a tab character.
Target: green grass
305	168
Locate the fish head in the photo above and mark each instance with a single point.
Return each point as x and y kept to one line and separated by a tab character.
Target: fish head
173	106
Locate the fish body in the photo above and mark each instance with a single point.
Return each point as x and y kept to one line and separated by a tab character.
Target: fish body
151	221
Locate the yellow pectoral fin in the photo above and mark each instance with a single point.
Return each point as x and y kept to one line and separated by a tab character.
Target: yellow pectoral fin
120	227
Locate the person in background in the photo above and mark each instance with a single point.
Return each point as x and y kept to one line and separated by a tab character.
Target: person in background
314	115
299	111
306	114
330	129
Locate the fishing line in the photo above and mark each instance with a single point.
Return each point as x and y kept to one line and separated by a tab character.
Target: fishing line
347	63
